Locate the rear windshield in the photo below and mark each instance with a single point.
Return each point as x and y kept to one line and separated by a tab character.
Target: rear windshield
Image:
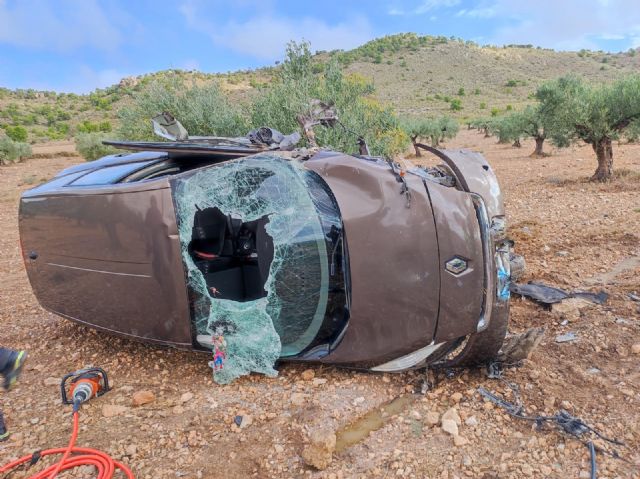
109	175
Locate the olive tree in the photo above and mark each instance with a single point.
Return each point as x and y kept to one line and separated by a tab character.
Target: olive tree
435	130
12	151
296	86
527	123
482	124
595	114
534	126
508	128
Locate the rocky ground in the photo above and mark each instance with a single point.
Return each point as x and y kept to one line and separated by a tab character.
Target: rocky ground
574	234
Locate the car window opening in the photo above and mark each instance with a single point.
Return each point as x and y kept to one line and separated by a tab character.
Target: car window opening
233	256
265	258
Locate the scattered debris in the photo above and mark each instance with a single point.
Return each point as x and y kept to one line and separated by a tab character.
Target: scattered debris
635	349
518	347
319	452
567	337
634	297
567	423
548	295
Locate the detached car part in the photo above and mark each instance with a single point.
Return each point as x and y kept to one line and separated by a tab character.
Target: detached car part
265	255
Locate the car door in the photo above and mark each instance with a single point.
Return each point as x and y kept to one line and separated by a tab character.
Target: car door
107	255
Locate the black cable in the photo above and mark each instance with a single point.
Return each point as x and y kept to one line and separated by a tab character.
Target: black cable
569	424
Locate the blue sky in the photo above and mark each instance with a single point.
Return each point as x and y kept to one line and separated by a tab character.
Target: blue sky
80	45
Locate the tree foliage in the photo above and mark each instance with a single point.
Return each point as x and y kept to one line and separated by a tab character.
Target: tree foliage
17	133
90	146
359	114
595	114
12	151
205	110
508	128
202	109
433	130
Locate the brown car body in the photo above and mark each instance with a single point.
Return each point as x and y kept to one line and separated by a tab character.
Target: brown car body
424	257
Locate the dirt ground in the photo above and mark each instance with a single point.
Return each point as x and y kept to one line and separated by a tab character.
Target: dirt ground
574	234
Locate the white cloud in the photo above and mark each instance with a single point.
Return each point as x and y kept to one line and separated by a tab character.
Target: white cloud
428	5
57	26
396	11
568	25
482	12
265	36
611	36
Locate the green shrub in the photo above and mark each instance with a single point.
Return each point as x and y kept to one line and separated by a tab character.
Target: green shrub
59	131
495	111
17	133
483	105
202	109
476	91
461	91
456	104
512	83
88	127
509	107
90	146
11	151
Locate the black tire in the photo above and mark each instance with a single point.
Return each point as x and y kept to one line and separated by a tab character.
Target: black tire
478	348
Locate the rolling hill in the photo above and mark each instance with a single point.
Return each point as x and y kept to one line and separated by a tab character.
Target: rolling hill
418	75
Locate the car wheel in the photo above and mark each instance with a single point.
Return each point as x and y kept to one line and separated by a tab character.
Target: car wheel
478	348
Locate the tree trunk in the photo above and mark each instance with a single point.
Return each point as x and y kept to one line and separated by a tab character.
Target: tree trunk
538	153
486	133
604	153
415	146
516	144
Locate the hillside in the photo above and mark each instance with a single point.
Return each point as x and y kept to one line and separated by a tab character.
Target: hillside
419	75
419	80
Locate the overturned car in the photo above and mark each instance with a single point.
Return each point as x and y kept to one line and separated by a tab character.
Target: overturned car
260	252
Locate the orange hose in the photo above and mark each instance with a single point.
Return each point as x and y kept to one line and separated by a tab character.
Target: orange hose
84	456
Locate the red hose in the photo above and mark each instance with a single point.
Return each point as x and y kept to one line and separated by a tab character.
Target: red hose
83	456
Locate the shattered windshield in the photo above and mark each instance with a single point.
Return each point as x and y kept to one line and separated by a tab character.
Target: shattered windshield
262	244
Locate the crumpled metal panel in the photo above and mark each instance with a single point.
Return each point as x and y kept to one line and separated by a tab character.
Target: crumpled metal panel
477	176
